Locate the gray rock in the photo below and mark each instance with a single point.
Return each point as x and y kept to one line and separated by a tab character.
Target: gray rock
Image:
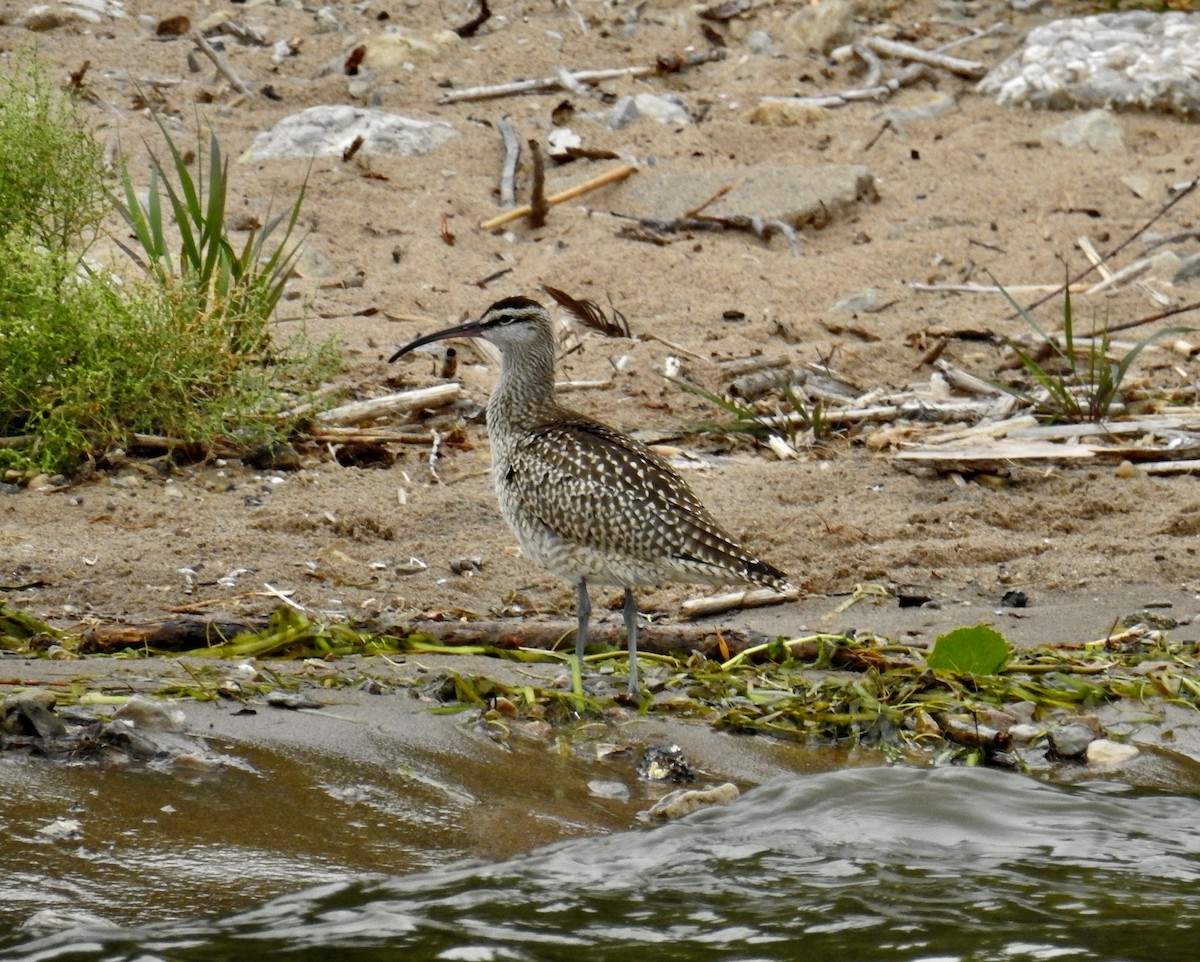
794	195
1072	740
758	41
32	712
324	130
664	109
1097	130
1188	270
150	715
1135	59
936	105
861	303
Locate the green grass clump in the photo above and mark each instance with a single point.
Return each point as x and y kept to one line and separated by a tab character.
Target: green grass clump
89	360
242	288
1090	382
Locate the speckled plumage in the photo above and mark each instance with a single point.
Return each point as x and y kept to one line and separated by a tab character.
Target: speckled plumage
584	500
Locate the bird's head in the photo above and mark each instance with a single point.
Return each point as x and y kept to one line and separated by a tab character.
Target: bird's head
513	324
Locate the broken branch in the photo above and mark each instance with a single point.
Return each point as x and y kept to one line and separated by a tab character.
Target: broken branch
594	183
577	76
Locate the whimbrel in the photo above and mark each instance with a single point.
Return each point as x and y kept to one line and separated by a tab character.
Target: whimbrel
585	501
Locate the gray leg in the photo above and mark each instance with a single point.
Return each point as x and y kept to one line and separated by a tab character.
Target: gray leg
583	609
631	614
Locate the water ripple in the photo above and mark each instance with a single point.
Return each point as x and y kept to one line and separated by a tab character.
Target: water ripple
871	864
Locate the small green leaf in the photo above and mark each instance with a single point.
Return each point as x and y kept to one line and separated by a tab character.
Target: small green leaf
973	651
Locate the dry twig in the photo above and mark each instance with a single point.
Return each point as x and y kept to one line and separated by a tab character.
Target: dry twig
579	76
219	62
906	77
538	208
971	69
594	183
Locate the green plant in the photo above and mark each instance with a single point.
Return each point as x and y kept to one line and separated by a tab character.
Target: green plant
242	287
1092	382
50	166
88	363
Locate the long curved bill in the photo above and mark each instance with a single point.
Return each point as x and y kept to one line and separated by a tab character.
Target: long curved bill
469	329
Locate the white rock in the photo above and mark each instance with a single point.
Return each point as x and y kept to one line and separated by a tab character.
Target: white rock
1097	130
1135	59
685	801
325	130
1105	753
664	109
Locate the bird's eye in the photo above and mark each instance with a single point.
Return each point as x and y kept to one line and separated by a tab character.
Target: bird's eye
505	319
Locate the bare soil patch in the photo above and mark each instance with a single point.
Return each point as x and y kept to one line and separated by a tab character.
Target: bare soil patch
977	186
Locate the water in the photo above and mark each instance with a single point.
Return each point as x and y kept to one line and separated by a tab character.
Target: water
939	865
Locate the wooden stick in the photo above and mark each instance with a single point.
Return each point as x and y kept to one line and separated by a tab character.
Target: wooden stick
971	69
1171	467
336	434
991	288
213	449
218	61
538	208
665	65
750	598
512	156
601	180
908	76
541	83
439	395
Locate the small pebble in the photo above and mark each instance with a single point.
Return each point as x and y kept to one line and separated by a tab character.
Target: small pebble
1071	741
608	788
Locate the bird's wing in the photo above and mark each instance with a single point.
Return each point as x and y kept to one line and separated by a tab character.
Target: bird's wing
594	486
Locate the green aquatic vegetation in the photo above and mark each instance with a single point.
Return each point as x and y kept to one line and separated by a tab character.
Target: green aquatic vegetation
23	633
821	689
975	651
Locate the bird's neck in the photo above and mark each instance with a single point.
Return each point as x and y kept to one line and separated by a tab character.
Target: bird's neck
524	394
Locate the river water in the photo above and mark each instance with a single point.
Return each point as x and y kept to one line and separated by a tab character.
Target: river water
887	863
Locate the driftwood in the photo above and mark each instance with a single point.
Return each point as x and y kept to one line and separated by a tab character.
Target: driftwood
752	598
905	78
190	632
971	69
338	434
999	445
664	65
508	170
761	227
356	412
183	633
560	635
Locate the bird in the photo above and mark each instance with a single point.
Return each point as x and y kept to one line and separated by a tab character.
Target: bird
586	501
